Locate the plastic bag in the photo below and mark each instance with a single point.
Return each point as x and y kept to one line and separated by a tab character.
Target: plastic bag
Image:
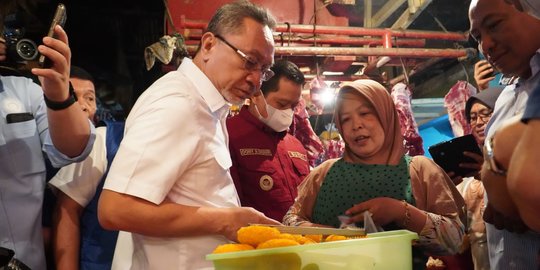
369	225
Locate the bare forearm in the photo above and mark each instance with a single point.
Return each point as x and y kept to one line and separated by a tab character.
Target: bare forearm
170	219
69	129
164	220
67	235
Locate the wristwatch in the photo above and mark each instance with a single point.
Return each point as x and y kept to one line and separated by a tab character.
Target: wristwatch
492	164
57	106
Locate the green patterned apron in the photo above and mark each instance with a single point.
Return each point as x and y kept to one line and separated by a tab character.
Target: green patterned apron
347	184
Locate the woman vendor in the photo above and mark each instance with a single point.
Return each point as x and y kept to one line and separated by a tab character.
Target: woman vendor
375	175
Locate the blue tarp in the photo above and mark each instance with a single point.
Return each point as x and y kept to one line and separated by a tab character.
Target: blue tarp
435	131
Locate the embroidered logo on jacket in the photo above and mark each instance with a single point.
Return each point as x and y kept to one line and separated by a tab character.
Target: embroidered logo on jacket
297	155
255	152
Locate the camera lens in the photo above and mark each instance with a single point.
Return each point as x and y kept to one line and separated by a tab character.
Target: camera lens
26	49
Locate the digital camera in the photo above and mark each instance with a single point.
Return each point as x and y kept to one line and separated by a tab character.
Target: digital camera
18	48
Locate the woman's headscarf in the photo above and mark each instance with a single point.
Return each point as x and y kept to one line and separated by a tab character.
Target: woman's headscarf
487	97
385	109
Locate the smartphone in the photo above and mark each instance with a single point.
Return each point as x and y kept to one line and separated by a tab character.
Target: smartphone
449	154
59	18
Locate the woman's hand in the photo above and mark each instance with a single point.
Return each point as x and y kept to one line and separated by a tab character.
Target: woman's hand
383	211
476	166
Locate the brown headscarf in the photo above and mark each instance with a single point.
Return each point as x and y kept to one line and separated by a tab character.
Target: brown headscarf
384	106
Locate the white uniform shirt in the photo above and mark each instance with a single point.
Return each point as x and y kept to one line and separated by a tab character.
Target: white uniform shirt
509	250
80	180
175	147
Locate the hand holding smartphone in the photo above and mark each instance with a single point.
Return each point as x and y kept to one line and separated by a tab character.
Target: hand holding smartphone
484	72
59	18
449	154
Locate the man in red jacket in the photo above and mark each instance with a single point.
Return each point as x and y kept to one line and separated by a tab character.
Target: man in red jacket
269	163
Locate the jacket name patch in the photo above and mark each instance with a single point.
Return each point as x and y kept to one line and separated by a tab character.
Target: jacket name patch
255	152
297	155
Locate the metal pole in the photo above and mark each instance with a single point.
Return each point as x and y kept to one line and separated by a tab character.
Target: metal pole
358	51
352	31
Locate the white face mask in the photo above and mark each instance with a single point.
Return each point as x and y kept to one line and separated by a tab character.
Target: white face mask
532	7
278	120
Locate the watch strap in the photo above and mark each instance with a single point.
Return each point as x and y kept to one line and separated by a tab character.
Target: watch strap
57	106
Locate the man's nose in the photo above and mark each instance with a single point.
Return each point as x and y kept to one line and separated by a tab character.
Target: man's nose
83	106
486	44
254	77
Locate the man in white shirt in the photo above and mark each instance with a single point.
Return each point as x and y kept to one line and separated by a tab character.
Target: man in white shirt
169	186
509	39
521	145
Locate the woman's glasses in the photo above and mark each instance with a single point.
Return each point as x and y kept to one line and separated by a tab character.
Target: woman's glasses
484	115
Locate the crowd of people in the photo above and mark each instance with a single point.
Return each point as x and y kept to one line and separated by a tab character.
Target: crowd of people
180	176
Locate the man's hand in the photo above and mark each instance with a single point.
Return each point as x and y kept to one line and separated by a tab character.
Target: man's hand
243	216
55	80
483	74
502	222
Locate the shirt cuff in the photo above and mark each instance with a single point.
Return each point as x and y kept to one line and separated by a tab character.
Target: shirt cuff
58	159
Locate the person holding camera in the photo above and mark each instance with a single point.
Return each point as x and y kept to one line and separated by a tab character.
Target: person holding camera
35	120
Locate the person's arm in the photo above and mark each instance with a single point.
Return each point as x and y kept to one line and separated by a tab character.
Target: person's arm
523	176
300	212
386	210
443	205
69	128
123	212
66	237
503	144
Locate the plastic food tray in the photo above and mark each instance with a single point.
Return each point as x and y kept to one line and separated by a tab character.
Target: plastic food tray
390	250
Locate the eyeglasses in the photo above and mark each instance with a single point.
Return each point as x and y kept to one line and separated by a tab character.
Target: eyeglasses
483	114
249	63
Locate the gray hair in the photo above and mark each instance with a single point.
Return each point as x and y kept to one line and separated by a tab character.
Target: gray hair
230	17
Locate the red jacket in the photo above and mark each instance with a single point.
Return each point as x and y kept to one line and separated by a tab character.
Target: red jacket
267	166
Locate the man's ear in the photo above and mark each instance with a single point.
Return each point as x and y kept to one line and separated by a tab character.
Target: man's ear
208	41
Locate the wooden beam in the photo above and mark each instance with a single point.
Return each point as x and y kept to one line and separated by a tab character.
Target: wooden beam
407	18
386	11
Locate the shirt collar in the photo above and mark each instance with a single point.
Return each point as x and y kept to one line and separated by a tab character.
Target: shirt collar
204	86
